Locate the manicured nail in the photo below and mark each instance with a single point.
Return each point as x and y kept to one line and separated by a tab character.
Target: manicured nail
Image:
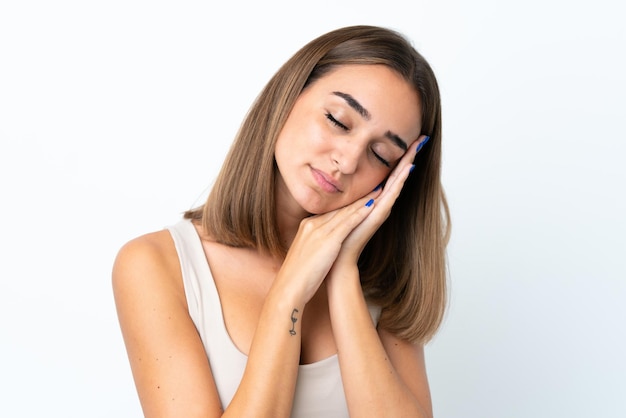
369	203
412	168
419	147
378	187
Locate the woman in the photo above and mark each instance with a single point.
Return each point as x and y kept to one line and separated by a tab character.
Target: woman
309	281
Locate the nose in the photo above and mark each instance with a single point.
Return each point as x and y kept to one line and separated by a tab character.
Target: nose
346	156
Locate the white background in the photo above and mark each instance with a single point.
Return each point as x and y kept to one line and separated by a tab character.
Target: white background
115	117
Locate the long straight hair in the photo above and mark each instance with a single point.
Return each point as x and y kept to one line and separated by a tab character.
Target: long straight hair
403	267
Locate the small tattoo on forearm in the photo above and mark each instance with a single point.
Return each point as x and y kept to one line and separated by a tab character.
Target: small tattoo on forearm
292	331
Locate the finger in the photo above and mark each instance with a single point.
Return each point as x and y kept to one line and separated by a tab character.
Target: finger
403	168
340	222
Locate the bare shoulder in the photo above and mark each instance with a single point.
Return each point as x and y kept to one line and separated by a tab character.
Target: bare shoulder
146	275
148	260
154	247
167	358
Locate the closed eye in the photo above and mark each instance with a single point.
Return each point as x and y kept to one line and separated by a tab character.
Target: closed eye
381	159
335	122
340	125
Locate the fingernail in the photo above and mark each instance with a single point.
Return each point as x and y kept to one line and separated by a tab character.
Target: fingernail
378	187
412	168
369	203
419	147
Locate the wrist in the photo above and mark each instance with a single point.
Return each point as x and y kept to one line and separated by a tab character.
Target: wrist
344	267
342	277
287	294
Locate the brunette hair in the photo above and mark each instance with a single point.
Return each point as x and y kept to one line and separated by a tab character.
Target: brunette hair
403	267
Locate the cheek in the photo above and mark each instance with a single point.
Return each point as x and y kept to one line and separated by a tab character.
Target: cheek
279	150
298	137
370	182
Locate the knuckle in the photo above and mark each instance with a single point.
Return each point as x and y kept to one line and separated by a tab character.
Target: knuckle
307	225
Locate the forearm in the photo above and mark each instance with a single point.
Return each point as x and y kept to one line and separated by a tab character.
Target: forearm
371	383
268	384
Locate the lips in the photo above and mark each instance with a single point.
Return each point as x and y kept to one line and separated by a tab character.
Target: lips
326	182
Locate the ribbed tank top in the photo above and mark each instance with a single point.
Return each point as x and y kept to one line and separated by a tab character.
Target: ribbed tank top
319	390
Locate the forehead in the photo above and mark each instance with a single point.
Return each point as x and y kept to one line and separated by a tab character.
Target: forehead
386	95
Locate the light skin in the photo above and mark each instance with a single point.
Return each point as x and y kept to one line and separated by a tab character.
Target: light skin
346	127
329	159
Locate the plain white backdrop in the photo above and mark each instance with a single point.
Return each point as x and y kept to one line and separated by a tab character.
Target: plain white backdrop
115	117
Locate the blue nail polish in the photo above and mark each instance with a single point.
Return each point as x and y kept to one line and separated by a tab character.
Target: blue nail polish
369	203
377	188
419	147
412	168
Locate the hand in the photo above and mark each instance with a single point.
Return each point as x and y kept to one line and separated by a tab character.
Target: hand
354	244
317	244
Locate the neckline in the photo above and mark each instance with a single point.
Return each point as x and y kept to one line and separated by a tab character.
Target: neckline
199	249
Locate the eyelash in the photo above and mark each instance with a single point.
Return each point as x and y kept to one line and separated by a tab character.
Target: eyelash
340	125
335	122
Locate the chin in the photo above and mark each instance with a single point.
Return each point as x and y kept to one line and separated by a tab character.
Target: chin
322	208
314	209
316	206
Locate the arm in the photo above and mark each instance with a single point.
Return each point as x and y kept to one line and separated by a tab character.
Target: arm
268	384
169	364
383	376
168	361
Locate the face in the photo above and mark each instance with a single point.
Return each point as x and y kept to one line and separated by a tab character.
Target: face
343	137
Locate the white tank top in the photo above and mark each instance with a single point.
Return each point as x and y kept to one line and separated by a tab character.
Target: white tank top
319	390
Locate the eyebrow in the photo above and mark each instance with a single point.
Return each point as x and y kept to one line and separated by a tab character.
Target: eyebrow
397	140
358	107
